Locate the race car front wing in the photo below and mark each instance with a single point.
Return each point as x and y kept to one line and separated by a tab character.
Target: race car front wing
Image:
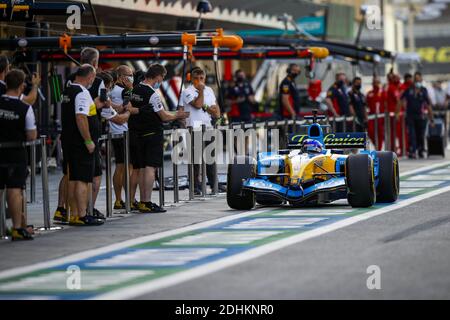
294	195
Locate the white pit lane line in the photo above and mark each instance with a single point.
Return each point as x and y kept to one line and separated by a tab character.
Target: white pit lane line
196	272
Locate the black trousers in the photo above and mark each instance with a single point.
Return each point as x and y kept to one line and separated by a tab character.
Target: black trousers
211	172
416	134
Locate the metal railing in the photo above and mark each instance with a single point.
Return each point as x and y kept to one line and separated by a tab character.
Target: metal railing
126	141
42	142
388	122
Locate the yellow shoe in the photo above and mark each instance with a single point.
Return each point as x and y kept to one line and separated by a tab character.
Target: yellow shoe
145	207
119	205
134	206
75	221
61	215
20	235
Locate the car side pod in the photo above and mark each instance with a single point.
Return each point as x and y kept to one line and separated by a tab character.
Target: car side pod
359	174
241	169
388	187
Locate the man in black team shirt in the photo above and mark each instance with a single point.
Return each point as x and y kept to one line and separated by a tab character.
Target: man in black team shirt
242	99
91	56
88	56
359	105
78	115
17	124
289	99
338	100
146	132
32	95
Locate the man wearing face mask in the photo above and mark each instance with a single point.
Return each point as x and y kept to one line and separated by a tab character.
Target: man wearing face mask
338	100
376	101
146	125
120	98
358	102
416	102
289	99
242	99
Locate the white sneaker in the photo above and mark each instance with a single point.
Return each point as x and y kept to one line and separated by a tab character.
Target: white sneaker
51	163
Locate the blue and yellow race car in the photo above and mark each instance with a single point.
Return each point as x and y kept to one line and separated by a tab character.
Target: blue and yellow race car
314	170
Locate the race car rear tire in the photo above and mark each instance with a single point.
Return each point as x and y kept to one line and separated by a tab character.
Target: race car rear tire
388	177
242	168
360	181
264	201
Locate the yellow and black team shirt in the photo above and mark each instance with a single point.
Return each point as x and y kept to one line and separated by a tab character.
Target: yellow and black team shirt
149	103
77	100
94	91
16	117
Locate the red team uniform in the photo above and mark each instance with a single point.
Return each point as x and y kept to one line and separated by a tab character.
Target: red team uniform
375	101
392	99
403	87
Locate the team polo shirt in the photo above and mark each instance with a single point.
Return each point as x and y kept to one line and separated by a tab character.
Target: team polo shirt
76	100
242	109
375	101
16	117
340	99
392	96
288	87
358	101
149	103
415	102
95	128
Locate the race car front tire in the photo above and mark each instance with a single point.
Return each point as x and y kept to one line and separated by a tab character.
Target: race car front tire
360	181
388	177
242	168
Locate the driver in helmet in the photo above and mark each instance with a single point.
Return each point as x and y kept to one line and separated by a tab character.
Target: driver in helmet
311	146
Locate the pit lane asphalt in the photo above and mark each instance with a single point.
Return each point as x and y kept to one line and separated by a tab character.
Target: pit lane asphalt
410	245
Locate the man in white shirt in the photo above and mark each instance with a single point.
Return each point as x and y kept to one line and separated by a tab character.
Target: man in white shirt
120	101
200	101
447	100
437	95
